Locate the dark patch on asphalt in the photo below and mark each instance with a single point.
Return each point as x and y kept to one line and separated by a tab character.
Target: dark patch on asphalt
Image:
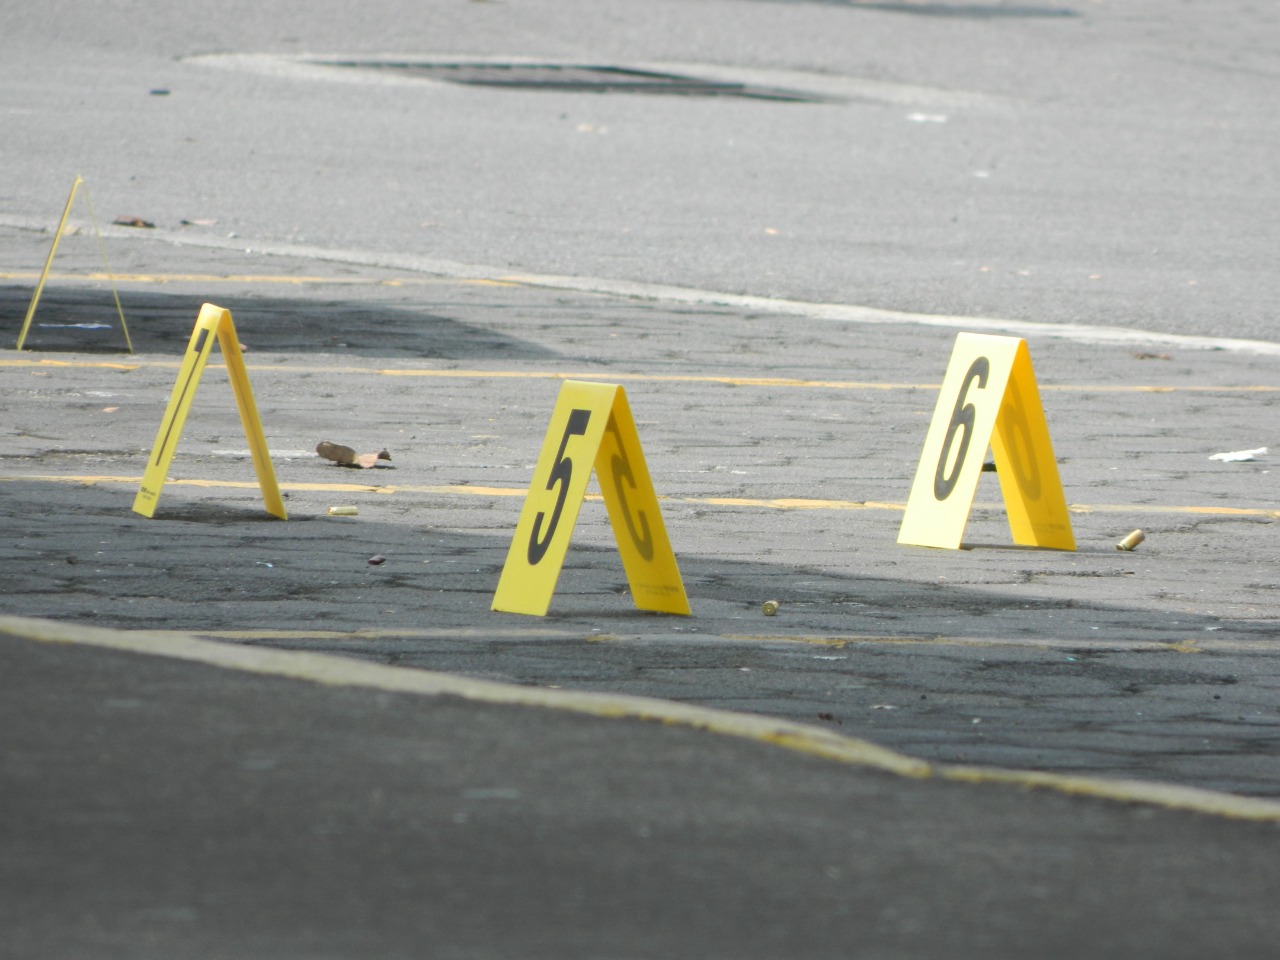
162	323
985	692
959	11
573	78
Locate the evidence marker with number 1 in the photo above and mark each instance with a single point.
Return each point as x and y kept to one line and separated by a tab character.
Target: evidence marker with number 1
213	326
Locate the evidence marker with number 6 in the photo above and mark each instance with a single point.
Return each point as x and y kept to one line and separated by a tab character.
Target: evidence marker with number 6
989	398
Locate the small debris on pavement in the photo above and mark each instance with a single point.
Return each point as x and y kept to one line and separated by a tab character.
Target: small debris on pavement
377	560
367	461
769	608
1240	456
343	511
336	452
134	222
1131	541
345	456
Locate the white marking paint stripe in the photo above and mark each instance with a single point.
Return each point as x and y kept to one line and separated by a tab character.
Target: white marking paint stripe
635	290
801	738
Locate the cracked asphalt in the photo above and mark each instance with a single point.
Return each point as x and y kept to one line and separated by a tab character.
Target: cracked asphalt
1155	663
231	735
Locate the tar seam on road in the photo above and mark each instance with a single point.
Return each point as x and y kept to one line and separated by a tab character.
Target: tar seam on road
338	671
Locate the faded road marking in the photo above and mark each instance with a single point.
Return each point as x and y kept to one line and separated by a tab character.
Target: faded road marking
337	671
778	503
163	278
612	375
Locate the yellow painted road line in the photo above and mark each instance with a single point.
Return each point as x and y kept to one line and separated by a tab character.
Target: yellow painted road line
78	364
612	375
1206	510
471	490
792	381
835	641
789	503
379	633
163	278
459	488
329	670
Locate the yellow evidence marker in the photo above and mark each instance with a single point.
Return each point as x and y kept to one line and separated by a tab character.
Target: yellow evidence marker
44	274
213	323
591	425
989	397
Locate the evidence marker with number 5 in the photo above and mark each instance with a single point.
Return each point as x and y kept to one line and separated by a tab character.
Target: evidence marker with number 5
989	397
591	428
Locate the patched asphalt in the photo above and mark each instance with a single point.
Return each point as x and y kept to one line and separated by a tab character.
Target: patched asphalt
226	735
171	798
156	806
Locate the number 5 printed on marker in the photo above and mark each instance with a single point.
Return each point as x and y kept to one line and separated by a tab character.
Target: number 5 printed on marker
562	475
591	428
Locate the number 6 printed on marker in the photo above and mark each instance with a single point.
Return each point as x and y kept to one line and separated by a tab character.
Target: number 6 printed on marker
989	398
962	418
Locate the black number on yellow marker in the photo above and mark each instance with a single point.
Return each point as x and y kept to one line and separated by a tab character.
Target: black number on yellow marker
637	525
561	471
962	418
1019	445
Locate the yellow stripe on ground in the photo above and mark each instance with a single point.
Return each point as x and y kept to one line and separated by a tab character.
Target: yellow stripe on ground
789	735
460	488
381	633
470	490
613	375
79	364
658	378
832	641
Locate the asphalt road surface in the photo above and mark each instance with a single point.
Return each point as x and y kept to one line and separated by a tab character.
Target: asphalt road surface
775	270
1095	162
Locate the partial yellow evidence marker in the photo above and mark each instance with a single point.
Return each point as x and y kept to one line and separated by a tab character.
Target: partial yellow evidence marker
591	425
53	249
213	323
989	396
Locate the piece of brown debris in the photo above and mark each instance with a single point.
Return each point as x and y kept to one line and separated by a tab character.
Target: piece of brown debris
345	456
